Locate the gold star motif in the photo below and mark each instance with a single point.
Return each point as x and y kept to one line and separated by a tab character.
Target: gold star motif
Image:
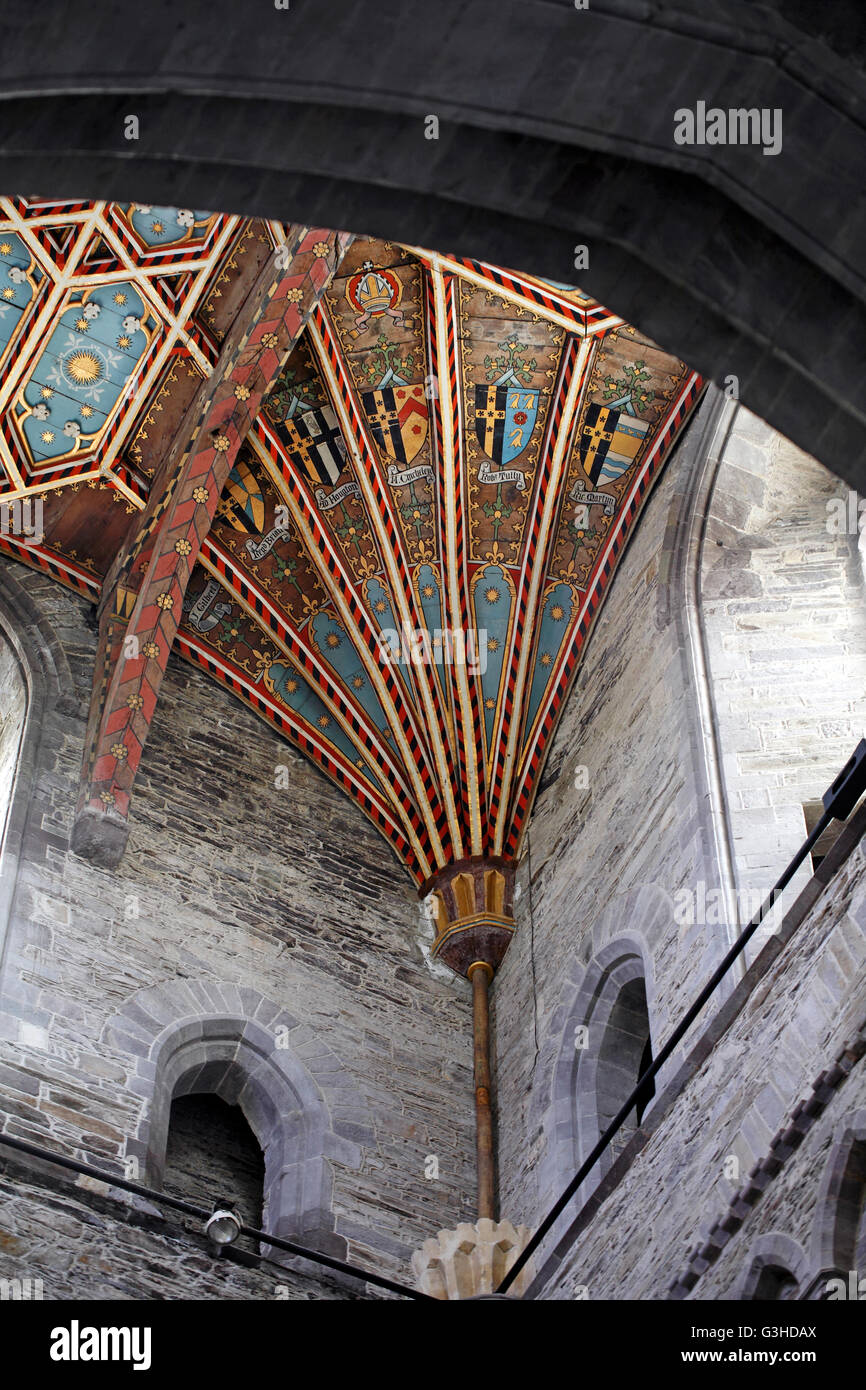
119	298
87	411
47	436
46	393
323	721
6	248
123	341
557	612
546	658
157	227
8	292
291	686
492	595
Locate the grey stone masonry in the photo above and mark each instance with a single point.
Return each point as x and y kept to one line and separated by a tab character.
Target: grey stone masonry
735	1147
784	611
268	934
81	1242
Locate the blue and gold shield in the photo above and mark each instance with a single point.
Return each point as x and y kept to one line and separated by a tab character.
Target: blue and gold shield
504	420
609	442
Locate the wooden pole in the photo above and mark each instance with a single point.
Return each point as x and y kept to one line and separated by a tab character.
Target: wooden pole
480	974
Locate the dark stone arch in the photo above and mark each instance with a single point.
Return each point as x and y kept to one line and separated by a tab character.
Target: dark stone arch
197	1038
741	263
584	1077
839	1231
775	1270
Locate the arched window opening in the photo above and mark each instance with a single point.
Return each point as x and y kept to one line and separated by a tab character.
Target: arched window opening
13	709
849	1235
212	1156
625	1053
775	1283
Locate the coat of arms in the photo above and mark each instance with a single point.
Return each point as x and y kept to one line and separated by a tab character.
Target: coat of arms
609	442
314	442
398	420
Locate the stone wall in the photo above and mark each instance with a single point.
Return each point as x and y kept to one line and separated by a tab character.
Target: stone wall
784	612
234	899
762	676
620	825
92	1245
769	1086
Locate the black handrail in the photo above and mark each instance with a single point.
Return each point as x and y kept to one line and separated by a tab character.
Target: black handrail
190	1209
839	801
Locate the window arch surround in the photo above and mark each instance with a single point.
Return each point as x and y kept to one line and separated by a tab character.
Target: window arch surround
589	1080
839	1233
776	1269
274	1068
52	707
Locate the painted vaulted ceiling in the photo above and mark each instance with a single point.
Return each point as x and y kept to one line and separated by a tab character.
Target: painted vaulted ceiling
416	536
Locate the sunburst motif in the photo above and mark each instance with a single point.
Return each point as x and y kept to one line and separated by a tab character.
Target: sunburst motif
83	367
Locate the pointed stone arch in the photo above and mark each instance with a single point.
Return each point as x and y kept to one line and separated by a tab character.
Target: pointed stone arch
51	706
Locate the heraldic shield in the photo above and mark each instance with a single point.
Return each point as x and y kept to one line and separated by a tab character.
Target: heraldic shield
504	420
609	442
315	444
398	420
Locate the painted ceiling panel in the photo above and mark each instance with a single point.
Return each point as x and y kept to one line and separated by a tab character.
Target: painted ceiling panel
413	543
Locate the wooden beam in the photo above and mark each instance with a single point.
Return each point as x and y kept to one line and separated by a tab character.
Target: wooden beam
144	592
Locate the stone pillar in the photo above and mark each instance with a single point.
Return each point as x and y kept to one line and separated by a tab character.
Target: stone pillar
471	1261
